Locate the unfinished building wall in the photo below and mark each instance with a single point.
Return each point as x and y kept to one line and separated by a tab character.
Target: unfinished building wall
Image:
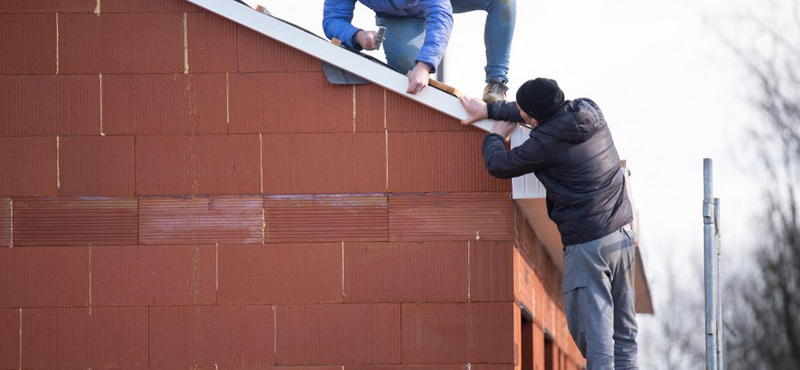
179	191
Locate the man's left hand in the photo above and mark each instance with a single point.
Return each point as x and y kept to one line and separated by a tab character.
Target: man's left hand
503	128
418	78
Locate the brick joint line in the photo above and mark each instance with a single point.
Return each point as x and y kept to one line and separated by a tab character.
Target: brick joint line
97	8
343	292
20	339
58	163
11	223
354	108
227	102
469	274
275	331
185	45
386	132
216	270
90	280
57	36
101	103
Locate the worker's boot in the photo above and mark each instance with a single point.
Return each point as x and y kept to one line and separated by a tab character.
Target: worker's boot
495	91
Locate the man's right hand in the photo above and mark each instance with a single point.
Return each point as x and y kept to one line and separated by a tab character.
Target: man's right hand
366	39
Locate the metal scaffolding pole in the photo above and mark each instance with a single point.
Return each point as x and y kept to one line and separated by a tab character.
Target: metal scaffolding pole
720	328
709	265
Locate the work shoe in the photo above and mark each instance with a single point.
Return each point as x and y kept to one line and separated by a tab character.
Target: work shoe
495	91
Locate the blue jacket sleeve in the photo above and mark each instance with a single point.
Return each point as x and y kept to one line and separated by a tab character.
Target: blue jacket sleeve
522	160
336	18
438	24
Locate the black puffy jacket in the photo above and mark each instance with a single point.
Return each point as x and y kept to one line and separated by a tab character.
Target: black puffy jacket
574	157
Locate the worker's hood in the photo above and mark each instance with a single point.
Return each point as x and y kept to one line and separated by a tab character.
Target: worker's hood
575	122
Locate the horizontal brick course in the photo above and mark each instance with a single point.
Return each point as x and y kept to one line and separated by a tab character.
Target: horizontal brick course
280	273
121	43
44	277
198	165
70	338
154	275
228	336
51	6
97	166
164	104
27	43
147	6
75	221
29	166
207	220
321	218
33	105
338	334
404	272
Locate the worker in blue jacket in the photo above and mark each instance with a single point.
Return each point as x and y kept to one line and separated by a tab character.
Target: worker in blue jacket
417	32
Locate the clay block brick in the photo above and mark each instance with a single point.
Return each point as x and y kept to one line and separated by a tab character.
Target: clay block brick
306	103
76	338
44	277
212	43
526	283
259	53
458	333
211	335
324	163
9	338
440	161
465	216
121	43
147	6
370	108
154	275
96	166
64	222
491	271
338	334
405	272
5	222
49	105
413	367
280	273
29	167
27	43
198	165
50	6
319	218
164	104
208	220
404	114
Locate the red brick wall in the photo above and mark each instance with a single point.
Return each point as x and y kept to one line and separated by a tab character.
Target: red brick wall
179	191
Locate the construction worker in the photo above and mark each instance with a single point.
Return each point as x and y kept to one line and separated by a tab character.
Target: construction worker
570	150
417	32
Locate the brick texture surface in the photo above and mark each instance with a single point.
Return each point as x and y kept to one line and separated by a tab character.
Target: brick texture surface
197	165
44	277
370	108
458	333
66	222
491	270
306	103
338	334
164	104
404	272
121	43
207	220
212	43
319	218
228	336
466	216
74	338
403	114
27	43
52	6
9	339
147	6
96	166
257	53
440	161
154	275
5	222
280	273
324	163
33	105
29	166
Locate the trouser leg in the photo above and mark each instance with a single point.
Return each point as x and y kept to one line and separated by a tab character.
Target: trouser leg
625	326
498	32
404	38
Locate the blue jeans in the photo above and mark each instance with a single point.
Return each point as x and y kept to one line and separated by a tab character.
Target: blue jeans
599	300
405	36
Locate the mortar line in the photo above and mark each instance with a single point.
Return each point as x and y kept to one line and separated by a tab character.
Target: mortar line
343	269
185	45
386	132
275	329
20	338
57	36
90	280
384	109
58	163
216	271
11	226
469	273
97	8
261	160
228	101
354	108
101	104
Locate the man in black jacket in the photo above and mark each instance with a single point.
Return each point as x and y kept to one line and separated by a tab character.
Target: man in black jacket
570	150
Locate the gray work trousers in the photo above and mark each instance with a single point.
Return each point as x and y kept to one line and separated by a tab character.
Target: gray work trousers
599	300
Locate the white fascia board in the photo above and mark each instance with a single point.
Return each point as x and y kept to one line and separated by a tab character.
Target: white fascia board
337	56
526	186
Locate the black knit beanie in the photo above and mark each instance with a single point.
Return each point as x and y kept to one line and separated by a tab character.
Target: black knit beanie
540	98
